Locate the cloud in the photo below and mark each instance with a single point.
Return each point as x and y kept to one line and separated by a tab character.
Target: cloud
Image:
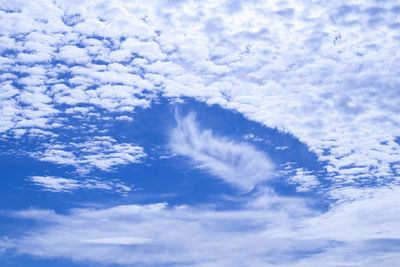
157	234
323	71
265	230
120	240
239	164
305	180
102	152
123	118
318	75
59	184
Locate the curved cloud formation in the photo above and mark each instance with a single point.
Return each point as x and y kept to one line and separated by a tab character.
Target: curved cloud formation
239	164
327	72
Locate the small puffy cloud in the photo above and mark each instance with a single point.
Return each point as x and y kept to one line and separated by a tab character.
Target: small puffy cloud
123	118
237	163
149	50
73	54
120	55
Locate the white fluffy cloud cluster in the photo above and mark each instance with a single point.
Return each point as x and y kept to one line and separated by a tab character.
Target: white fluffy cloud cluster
102	152
325	72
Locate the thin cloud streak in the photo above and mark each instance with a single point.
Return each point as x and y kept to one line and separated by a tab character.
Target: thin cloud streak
60	184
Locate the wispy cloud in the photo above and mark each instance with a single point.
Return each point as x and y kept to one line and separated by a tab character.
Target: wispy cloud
265	231
158	234
59	184
237	163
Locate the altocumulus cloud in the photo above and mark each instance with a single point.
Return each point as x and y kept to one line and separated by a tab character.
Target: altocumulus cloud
59	184
239	164
320	80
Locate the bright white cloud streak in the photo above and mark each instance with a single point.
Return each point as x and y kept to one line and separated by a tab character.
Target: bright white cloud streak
239	164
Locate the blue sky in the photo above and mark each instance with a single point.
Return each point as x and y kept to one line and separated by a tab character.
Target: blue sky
199	133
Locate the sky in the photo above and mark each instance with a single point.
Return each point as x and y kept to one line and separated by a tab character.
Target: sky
199	133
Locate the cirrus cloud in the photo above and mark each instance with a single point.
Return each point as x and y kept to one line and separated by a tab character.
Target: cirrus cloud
239	164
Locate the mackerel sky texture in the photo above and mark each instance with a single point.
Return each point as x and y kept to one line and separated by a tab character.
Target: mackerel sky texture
199	133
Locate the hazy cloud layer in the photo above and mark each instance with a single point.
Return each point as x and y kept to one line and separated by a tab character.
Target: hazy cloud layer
266	231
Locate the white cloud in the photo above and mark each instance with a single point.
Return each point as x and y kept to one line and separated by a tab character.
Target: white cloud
265	231
326	72
156	234
55	184
316	72
239	164
254	138
123	118
149	50
72	54
59	184
102	152
295	75
120	55
304	179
